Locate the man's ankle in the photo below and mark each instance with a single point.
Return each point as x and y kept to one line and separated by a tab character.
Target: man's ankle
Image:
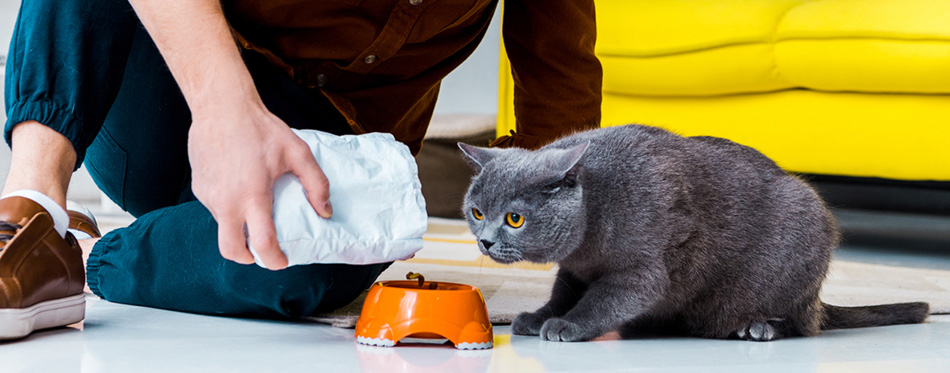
41	164
41	160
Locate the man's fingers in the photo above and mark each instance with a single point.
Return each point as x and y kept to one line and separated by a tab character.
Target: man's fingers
263	236
231	240
314	182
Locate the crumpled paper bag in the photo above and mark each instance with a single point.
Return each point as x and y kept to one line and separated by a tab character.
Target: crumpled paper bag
379	214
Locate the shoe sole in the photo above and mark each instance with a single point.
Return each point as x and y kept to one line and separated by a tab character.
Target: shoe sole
20	322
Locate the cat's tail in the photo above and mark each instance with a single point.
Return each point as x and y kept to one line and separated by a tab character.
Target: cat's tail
836	317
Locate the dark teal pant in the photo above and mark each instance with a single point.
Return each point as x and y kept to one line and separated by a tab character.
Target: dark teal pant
89	70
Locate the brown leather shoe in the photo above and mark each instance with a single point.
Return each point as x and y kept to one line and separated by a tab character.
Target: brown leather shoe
83	223
41	274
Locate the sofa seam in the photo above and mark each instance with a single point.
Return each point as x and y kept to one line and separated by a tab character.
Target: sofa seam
773	41
685	51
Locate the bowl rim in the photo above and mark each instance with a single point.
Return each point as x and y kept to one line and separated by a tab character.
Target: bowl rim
413	285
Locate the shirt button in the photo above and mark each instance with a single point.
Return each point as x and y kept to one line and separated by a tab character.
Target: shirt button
415	2
369	59
321	80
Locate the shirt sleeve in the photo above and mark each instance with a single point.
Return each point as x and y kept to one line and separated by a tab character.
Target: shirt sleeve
557	77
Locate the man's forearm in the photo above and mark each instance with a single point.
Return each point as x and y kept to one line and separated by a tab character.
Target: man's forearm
236	147
196	43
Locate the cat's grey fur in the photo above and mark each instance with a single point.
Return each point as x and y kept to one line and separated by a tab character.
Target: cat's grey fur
652	230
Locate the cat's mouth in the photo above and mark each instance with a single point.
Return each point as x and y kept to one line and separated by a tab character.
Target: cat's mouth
505	255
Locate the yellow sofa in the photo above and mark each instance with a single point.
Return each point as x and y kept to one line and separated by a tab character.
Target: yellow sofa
831	87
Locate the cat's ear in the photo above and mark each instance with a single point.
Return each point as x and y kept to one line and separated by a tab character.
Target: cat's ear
567	160
477	157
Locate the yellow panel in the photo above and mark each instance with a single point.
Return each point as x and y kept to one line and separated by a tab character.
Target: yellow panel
736	69
658	27
866	65
907	19
889	136
506	95
867	135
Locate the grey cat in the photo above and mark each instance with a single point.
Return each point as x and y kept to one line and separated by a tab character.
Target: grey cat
657	232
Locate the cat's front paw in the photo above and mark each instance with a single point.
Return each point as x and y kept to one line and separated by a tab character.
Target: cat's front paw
527	323
560	330
760	331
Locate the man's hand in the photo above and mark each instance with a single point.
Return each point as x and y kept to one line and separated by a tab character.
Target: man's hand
237	148
236	155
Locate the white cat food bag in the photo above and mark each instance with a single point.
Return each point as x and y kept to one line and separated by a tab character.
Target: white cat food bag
379	214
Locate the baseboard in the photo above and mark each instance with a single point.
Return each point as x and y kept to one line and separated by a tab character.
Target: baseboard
886	195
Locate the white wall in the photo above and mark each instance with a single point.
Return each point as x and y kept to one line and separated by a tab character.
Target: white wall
473	87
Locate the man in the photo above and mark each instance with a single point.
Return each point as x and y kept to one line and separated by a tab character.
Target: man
187	130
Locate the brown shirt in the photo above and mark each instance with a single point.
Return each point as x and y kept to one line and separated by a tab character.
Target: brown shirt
380	62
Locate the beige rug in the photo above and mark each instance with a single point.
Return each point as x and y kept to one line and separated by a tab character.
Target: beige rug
451	255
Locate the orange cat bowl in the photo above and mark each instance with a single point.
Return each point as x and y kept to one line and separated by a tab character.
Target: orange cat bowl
435	310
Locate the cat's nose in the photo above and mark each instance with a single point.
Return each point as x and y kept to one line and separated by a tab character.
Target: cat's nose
487	244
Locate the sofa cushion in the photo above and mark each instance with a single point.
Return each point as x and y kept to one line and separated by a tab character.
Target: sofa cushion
714	47
892	136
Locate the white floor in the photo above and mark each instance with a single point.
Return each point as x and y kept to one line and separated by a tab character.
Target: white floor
120	338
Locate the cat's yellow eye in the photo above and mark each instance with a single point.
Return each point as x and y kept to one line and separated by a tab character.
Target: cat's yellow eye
477	214
514	220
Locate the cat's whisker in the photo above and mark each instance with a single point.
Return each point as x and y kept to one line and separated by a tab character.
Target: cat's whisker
519	261
567	285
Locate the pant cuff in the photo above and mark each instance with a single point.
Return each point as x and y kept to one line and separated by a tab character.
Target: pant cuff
50	114
94	263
